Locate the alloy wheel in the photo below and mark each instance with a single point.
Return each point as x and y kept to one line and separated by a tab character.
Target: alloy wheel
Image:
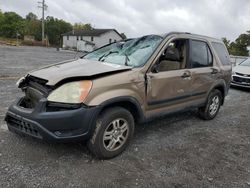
116	134
214	106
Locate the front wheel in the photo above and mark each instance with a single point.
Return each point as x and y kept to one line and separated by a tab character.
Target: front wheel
212	107
114	129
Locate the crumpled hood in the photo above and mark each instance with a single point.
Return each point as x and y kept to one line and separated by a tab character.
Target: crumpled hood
76	68
242	69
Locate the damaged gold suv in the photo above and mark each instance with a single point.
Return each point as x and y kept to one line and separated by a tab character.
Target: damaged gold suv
102	95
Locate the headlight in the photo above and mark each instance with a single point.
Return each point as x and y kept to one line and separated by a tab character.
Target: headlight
72	92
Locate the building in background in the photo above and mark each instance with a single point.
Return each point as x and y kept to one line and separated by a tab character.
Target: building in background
88	40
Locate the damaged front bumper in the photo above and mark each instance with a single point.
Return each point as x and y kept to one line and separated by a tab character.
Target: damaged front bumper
52	123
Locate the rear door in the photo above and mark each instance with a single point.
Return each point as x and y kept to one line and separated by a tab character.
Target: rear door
203	69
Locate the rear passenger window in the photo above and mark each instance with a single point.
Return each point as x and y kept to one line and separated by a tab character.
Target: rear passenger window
222	53
200	54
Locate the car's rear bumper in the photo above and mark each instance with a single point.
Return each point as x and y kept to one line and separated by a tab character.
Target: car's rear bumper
62	125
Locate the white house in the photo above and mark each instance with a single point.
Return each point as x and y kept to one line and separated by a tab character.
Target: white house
88	40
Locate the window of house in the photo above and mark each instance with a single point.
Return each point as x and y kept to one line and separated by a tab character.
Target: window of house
110	40
200	54
67	37
92	38
77	37
114	40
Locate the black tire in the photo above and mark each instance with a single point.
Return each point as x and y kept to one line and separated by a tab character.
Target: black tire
107	120
205	112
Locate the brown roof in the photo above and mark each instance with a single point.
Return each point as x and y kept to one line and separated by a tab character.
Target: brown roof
92	32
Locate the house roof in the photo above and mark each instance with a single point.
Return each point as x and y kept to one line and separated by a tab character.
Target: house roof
92	32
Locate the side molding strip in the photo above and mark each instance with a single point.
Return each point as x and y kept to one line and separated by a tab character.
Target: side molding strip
167	100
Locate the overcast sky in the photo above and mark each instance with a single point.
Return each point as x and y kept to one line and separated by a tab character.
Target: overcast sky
217	18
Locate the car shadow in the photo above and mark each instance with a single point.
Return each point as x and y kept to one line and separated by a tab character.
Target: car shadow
168	124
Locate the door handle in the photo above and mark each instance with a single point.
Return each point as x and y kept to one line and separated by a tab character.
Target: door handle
214	71
186	75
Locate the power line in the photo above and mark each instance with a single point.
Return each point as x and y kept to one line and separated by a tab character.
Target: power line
43	6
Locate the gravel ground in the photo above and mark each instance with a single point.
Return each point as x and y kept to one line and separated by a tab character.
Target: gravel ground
174	151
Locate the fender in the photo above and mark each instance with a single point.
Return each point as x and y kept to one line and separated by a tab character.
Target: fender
222	86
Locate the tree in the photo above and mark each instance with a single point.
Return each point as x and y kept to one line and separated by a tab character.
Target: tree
33	26
31	16
239	46
54	28
1	20
1	16
11	24
78	26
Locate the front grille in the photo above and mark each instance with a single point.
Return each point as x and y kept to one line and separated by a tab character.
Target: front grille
241	80
23	126
245	75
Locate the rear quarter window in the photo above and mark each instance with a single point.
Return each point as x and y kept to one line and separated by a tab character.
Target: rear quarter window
222	53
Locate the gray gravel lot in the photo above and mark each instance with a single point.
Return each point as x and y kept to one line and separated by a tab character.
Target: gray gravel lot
179	150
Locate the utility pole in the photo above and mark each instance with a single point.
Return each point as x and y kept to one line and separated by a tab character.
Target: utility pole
44	7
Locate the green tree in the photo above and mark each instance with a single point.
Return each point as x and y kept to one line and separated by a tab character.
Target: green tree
33	26
239	46
1	21
54	28
1	17
79	26
11	24
31	16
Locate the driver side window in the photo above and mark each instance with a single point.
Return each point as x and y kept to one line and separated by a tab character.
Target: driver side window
174	56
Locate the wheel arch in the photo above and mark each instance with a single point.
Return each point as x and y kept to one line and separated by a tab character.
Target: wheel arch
221	86
127	102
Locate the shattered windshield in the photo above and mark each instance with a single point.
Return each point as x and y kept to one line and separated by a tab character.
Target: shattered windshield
133	52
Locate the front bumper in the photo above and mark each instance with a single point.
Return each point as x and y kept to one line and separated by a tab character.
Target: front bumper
62	126
240	85
240	81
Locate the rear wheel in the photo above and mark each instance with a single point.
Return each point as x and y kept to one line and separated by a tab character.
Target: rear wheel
114	129
212	107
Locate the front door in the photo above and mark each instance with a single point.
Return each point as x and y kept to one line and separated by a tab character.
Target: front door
169	82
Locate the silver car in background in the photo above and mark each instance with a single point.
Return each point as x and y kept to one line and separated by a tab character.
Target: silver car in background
241	74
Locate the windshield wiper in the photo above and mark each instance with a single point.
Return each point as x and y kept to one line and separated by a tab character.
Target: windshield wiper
105	55
126	59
